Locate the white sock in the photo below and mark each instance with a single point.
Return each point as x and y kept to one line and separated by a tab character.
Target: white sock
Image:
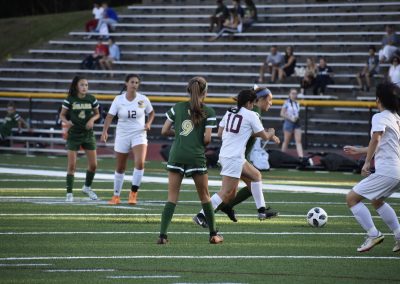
118	182
257	192
137	177
389	216
364	218
215	201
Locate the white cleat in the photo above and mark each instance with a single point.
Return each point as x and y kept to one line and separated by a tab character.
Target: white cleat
70	197
370	242
89	192
396	247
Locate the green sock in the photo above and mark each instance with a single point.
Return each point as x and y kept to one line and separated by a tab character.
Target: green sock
70	183
89	178
241	196
166	217
210	218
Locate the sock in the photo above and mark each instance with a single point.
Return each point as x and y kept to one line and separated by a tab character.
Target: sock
364	218
89	178
210	217
241	196
389	216
256	191
215	201
118	182
70	183
166	217
136	179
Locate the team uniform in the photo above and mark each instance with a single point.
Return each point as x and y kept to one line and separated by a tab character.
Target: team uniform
80	110
238	127
187	151
10	121
252	140
293	110
131	120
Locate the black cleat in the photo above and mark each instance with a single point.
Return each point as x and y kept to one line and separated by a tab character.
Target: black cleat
230	213
266	213
200	220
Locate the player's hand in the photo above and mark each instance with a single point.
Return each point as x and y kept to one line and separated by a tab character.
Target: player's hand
89	124
366	169
276	139
271	131
147	126
104	137
350	150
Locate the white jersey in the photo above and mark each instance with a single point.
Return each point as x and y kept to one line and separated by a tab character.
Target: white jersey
131	114
238	127
387	156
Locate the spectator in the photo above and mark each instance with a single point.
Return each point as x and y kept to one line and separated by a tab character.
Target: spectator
250	14
233	25
236	6
394	70
290	63
97	15
370	69
219	16
107	61
110	18
92	61
323	78
274	61
390	43
308	79
12	120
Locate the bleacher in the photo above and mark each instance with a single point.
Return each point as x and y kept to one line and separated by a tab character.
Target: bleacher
166	42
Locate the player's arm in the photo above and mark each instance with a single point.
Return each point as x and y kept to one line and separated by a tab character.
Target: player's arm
63	117
96	116
373	144
268	135
207	136
150	120
352	150
107	123
220	131
167	130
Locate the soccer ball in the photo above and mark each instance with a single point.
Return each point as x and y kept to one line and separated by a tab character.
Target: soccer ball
317	217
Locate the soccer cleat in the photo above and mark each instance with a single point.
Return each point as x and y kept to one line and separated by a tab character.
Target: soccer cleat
396	247
370	242
162	241
216	239
200	220
89	192
266	213
70	197
114	200
132	198
230	213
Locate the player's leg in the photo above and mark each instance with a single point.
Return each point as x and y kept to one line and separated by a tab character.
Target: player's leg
139	151
287	136
119	175
90	172
299	145
71	167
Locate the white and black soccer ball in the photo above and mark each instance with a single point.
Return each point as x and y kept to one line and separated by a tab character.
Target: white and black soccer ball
317	217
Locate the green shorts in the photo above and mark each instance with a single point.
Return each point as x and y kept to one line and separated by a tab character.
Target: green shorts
75	141
187	170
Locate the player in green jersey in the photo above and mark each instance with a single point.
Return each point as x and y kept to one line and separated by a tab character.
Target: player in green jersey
83	110
193	122
12	120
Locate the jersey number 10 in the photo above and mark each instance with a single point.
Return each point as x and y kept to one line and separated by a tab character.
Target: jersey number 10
233	123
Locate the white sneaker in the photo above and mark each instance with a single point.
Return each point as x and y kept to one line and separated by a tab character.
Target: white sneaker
89	192
70	197
396	247
370	242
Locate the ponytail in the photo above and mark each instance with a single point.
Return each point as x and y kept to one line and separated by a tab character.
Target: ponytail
197	87
244	96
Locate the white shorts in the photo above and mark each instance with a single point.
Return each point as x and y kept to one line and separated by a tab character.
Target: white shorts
125	144
376	187
231	167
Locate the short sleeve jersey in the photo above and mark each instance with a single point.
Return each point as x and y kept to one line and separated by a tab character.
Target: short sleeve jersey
252	140
238	127
80	110
188	146
131	114
10	121
387	156
292	108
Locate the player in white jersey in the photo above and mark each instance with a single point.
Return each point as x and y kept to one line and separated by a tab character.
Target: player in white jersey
131	108
236	127
385	145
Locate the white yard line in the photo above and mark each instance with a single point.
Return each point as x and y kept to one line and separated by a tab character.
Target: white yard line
23	264
143	277
79	270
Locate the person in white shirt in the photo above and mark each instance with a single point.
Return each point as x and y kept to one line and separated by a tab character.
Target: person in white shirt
91	25
106	62
394	71
131	108
235	128
385	146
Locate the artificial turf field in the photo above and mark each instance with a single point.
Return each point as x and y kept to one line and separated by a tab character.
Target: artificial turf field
45	240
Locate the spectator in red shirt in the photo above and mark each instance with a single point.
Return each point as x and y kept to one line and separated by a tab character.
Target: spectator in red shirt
92	61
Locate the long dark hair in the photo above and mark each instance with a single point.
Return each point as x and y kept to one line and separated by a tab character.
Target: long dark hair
73	88
389	96
196	88
127	78
244	96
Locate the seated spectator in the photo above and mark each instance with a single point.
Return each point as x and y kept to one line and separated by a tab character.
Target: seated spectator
236	6
92	61
308	79
390	43
250	14
274	61
107	61
232	25
12	120
394	70
110	18
323	78
219	16
370	69
289	64
97	15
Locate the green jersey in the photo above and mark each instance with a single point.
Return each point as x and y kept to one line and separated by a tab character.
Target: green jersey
188	146
252	139
80	110
10	121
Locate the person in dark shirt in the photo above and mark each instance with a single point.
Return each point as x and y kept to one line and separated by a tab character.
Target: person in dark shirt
219	16
324	77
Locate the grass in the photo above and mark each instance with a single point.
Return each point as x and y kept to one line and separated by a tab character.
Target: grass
92	242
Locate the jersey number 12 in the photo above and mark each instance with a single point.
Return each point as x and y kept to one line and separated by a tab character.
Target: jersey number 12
131	113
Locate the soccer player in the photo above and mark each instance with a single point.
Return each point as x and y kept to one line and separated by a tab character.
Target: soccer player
236	127
385	146
83	110
131	107
193	122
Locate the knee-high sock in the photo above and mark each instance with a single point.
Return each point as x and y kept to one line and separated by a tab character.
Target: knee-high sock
118	182
210	217
215	201
389	216
70	183
256	191
364	218
137	177
89	178
166	217
241	196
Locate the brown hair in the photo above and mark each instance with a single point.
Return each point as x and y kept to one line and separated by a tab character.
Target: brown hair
196	88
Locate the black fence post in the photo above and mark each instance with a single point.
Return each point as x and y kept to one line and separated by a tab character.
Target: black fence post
306	129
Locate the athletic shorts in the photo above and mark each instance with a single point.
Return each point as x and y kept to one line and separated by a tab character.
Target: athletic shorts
76	141
290	126
187	170
125	144
376	186
231	167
